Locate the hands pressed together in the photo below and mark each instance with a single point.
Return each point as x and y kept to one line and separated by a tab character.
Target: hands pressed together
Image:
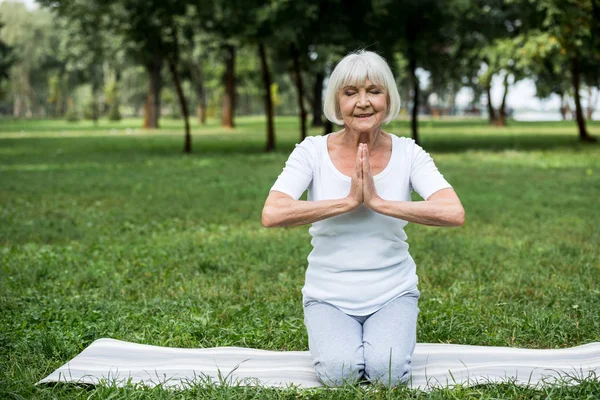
362	190
442	208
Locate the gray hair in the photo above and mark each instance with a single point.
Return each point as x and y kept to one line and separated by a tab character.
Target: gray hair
354	69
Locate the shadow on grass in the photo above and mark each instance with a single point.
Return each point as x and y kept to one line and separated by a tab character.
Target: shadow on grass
132	148
498	143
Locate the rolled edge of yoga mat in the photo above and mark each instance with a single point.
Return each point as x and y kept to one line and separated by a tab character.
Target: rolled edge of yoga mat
115	362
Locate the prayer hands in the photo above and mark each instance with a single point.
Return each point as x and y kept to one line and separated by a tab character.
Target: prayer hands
362	188
370	196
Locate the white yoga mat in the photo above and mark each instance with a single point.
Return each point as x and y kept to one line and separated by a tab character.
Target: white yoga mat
434	365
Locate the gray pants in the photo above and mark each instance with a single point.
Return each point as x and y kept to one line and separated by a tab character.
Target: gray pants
377	347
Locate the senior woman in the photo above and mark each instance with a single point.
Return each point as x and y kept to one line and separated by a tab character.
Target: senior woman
360	294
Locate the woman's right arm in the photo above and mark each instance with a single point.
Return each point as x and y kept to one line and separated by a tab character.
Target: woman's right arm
282	210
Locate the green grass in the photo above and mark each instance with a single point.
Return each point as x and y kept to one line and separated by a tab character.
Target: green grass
110	231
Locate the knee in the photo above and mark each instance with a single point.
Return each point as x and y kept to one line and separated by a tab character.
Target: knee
389	372
338	372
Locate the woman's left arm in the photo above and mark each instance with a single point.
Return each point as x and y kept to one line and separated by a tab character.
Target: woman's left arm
442	208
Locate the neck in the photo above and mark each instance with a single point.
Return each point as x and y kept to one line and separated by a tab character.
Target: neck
356	137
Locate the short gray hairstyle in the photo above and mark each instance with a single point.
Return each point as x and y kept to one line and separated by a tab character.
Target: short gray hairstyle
354	69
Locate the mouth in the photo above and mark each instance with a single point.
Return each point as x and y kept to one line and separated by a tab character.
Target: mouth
363	116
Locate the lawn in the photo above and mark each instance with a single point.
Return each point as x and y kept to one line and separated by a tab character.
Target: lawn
111	231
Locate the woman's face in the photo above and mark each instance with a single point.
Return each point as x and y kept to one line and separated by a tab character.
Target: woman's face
363	107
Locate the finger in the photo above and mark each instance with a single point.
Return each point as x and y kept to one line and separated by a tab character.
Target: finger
366	165
360	168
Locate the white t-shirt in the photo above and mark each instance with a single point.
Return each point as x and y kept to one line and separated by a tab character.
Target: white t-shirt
360	259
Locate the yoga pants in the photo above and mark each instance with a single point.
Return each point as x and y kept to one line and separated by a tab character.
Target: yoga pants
376	347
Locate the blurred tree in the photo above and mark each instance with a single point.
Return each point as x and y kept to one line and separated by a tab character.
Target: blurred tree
574	27
263	34
112	97
424	32
88	44
32	37
486	32
149	32
232	24
268	88
291	27
330	39
133	87
327	33
83	47
142	26
6	61
197	48
227	21
503	56
546	66
171	28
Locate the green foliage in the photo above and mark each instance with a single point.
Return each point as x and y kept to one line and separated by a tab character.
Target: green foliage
113	100
54	90
87	42
109	232
275	95
90	110
113	111
169	101
72	115
6	58
133	87
32	37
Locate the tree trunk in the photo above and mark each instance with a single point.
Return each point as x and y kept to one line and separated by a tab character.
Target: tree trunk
27	90
266	77
201	114
327	127
96	88
95	103
198	82
589	111
575	77
152	107
414	121
246	103
187	147
299	89
502	112
61	98
490	107
317	105
452	103
228	109
596	11
17	106
563	107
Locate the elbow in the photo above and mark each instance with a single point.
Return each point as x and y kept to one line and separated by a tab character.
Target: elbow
268	219
459	218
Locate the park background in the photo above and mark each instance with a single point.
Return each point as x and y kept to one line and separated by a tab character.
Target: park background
139	139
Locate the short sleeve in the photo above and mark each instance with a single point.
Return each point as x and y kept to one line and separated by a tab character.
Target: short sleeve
424	176
298	171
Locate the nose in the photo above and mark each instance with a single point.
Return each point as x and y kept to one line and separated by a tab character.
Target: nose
363	100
